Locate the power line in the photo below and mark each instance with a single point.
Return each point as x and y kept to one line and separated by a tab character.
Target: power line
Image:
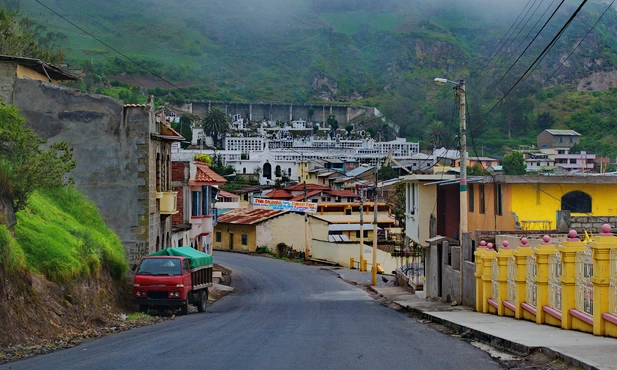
524	51
486	62
542	54
580	42
107	45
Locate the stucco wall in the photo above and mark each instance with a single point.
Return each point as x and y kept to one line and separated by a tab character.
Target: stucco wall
111	152
341	253
541	201
289	229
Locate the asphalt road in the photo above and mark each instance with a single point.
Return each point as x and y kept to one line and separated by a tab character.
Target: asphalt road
282	315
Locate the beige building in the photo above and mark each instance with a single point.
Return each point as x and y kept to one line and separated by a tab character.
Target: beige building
246	229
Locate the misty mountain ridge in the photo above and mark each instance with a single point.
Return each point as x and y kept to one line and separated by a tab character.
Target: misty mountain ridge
380	53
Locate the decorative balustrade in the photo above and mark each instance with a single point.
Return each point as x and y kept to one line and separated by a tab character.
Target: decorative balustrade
570	285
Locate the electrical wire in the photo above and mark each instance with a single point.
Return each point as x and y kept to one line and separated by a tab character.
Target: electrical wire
580	42
107	45
542	54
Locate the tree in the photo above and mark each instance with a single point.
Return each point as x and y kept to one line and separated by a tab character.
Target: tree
185	128
514	164
477	170
311	112
216	124
387	173
24	166
437	135
396	203
349	129
22	38
332	122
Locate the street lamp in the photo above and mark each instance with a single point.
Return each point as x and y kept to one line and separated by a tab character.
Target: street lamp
459	88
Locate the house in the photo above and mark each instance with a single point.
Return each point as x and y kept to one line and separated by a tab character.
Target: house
197	188
227	201
246	229
123	152
558	139
425	215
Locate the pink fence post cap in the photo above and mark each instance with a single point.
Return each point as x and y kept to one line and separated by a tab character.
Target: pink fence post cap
524	242
573	236
606	230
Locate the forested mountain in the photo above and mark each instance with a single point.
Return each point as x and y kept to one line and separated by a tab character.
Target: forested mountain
382	53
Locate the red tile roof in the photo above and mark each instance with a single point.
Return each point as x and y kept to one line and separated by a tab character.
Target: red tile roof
246	216
278	194
206	176
300	187
343	193
299	198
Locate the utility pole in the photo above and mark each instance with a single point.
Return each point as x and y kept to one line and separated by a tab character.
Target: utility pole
459	88
360	267
374	267
460	93
306	225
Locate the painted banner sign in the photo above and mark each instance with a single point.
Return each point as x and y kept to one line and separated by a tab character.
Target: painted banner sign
285	205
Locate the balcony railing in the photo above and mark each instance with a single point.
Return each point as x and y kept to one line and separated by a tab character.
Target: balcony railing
584	286
168	205
554	281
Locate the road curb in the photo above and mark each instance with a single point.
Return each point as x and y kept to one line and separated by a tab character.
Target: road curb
504	344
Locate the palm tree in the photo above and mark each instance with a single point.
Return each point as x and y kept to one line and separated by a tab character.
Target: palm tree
437	135
215	124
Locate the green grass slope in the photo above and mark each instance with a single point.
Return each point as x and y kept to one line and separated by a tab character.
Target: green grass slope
61	235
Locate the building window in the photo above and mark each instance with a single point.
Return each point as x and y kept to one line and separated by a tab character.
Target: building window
576	201
482	200
572	161
499	200
472	197
218	237
245	239
195	203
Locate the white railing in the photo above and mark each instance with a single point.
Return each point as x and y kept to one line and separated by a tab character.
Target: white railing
531	291
554	282
612	298
494	279
584	286
511	280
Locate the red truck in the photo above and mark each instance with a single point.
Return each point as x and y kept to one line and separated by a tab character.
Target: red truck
173	278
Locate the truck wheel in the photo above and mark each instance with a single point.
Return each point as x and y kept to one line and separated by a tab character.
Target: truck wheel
184	309
143	308
203	300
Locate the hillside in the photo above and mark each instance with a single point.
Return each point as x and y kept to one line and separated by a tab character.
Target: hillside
382	54
59	277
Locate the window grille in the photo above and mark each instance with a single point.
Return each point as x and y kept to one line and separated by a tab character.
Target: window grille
512	280
554	281
531	292
584	286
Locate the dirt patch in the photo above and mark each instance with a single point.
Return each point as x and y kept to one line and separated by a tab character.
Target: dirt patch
39	316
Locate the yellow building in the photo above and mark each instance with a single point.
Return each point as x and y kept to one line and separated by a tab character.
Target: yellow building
531	202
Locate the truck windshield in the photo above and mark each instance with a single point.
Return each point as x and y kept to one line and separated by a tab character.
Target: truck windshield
160	266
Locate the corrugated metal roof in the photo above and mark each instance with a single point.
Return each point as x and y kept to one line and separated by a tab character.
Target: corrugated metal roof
41	67
350	227
246	216
338	238
563	132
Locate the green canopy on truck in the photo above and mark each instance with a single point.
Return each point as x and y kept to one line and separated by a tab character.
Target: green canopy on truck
196	258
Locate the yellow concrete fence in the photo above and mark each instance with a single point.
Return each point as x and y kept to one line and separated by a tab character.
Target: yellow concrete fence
572	285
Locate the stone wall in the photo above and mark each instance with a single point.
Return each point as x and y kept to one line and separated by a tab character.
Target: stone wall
111	146
284	112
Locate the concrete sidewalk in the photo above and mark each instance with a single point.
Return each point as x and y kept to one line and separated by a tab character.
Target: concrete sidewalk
517	336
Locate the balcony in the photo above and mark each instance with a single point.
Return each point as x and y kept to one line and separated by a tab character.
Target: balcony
168	205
